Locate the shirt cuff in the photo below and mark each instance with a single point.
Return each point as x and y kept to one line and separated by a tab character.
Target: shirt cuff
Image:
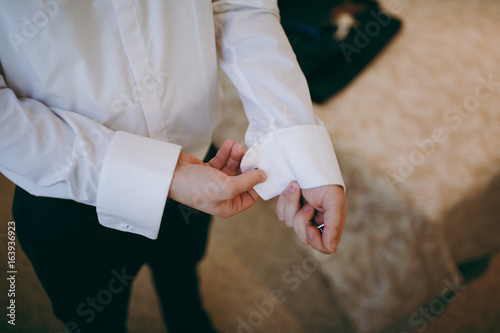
134	183
302	153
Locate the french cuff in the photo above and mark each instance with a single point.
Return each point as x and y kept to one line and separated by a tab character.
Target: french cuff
134	183
302	153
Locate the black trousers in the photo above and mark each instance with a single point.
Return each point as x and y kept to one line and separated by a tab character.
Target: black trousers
87	269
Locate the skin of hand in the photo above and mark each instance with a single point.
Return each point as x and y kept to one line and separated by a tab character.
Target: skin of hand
217	187
323	204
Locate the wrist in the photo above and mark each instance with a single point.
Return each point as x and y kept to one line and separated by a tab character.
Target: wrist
180	176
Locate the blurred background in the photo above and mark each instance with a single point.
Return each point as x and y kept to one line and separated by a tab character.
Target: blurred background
411	99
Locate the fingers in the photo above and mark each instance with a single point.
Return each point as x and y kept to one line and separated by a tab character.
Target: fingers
252	194
232	167
240	194
228	158
324	204
289	210
334	217
280	207
282	202
301	222
292	203
244	201
245	182
223	154
315	240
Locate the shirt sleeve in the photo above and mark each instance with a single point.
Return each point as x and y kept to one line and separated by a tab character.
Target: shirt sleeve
58	153
284	137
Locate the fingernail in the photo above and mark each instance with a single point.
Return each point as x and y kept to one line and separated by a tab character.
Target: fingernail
262	177
293	188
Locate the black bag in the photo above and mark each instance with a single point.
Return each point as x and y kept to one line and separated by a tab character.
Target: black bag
334	39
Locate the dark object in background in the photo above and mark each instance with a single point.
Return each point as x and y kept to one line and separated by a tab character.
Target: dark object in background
473	269
335	39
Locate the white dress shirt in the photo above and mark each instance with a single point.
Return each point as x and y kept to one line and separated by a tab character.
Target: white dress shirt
99	97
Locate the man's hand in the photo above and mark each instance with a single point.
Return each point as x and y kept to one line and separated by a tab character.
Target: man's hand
321	205
228	158
217	187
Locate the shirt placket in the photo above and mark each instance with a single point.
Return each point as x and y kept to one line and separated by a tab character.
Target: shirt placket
147	79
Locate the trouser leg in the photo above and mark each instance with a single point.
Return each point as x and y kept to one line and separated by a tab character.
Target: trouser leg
85	269
174	258
173	261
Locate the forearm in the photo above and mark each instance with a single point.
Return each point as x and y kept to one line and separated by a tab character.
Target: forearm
58	153
284	137
51	152
257	57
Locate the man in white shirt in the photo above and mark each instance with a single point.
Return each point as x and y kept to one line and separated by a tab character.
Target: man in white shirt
108	107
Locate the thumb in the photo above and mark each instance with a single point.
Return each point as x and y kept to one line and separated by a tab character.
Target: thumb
246	181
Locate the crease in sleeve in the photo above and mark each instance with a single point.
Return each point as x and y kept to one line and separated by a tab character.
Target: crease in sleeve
230	6
303	153
134	183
